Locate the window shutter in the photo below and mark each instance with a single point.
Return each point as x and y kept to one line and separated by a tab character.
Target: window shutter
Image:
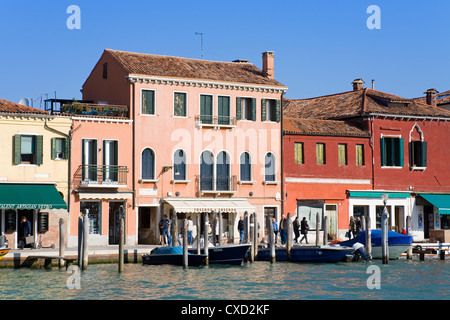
254	109
238	108
67	148
382	152
277	111
17	149
411	154
423	154
400	152
263	109
39	151
53	148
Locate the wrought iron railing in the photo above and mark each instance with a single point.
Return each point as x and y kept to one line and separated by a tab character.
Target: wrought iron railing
217	121
101	175
212	183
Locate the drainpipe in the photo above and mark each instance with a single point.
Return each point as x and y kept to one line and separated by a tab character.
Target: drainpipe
281	155
68	136
133	170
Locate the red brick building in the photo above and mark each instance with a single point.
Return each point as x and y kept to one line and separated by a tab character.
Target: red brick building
360	144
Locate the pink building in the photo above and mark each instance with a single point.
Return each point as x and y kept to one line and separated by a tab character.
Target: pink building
205	137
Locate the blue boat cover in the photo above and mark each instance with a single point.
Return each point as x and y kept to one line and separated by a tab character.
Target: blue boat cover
394	238
168	250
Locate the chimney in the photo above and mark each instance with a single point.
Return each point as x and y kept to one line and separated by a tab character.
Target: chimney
268	64
358	84
431	97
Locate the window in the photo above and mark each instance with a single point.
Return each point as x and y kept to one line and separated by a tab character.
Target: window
148	102
179	104
60	148
206	109
270	167
392	152
179	165
342	154
110	160
148	164
298	153
223	111
223	171
359	154
320	154
245	108
93	211
105	70
89	159
270	110
418	154
28	149
246	167
206	170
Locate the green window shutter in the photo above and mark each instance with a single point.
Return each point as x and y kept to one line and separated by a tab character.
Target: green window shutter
17	149
53	148
423	154
39	150
278	111
263	109
148	102
254	109
383	152
238	108
298	152
400	152
411	154
66	148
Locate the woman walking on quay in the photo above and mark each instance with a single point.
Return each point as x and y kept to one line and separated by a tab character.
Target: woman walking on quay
351	228
304	230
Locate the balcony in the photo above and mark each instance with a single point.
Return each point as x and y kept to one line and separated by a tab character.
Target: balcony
85	108
216	184
215	121
94	176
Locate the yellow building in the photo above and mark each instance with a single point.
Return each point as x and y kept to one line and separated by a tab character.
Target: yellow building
34	173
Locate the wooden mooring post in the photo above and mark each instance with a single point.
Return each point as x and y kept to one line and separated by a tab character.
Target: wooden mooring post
198	234
368	236
317	228
289	237
121	244
185	244
255	236
252	238
62	236
325	230
384	236
205	236
85	261
408	227
271	239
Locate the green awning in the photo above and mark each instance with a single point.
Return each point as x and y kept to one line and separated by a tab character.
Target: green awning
441	201
30	196
377	194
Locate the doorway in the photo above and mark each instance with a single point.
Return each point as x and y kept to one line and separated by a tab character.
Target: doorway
147	227
29	214
428	220
269	212
115	209
331	213
399	219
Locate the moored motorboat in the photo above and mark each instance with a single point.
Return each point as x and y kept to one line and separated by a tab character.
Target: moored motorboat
226	254
398	243
4	252
173	256
326	253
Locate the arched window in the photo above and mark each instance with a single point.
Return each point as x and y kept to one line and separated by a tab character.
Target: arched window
206	170
148	164
270	167
223	171
179	165
246	167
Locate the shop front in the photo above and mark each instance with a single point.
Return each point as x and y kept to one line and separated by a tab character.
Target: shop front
436	216
40	206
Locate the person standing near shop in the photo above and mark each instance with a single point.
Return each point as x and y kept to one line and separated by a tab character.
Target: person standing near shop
241	230
25	226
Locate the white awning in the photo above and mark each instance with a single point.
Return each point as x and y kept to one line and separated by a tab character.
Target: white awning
105	196
207	205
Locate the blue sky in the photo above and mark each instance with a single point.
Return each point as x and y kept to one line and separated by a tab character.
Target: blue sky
320	46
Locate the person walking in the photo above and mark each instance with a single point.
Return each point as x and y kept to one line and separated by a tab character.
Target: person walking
283	229
296	227
241	229
304	227
190	230
25	226
351	228
164	225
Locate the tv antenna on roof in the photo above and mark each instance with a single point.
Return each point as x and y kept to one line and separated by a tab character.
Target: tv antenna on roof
201	37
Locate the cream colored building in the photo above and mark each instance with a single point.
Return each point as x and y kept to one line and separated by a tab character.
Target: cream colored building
34	172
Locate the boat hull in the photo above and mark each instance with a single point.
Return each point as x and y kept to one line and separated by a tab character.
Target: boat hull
394	251
3	252
228	254
173	259
307	254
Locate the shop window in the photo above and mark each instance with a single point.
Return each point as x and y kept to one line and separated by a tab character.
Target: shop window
93	210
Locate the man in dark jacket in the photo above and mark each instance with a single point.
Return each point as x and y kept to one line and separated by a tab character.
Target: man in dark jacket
25	226
241	230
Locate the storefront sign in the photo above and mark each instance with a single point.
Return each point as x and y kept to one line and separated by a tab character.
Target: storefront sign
26	206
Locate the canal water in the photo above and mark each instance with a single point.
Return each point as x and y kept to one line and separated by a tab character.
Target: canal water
400	279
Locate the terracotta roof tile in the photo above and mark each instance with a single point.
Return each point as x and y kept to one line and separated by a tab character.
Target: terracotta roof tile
323	127
11	107
359	103
185	68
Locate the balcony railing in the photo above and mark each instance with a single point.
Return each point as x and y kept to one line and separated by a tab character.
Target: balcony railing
101	176
89	109
216	184
215	121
